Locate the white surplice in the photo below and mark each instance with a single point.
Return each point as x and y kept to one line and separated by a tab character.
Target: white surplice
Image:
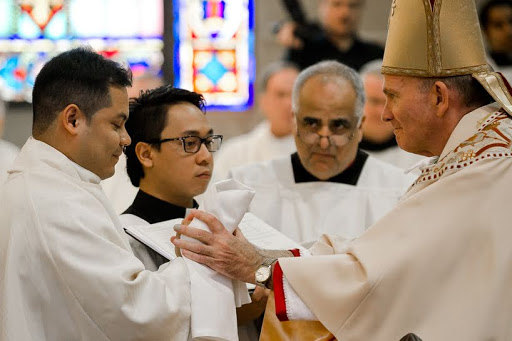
118	188
8	153
305	211
258	145
440	264
67	269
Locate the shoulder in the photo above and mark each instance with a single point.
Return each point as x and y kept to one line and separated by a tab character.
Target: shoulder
8	153
377	173
491	141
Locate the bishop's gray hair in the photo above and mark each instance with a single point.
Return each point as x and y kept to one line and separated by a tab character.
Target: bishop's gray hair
331	70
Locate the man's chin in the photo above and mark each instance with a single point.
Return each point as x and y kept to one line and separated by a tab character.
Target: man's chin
107	174
322	171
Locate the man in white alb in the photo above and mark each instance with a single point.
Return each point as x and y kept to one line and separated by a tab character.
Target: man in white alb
329	179
67	271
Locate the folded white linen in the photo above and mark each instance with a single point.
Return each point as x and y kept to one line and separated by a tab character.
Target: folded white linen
214	296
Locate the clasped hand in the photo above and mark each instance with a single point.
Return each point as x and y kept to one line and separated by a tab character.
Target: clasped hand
229	254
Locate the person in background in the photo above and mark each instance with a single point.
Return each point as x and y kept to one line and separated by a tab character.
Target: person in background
496	21
439	264
273	137
67	271
334	37
329	179
8	151
378	136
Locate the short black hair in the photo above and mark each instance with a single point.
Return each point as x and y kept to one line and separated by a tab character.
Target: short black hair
148	116
486	8
79	76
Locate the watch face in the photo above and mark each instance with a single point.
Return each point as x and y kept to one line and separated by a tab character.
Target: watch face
262	274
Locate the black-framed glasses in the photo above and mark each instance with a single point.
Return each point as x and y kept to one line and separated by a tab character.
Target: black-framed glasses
192	144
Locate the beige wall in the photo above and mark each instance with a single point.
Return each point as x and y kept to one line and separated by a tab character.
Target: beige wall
373	26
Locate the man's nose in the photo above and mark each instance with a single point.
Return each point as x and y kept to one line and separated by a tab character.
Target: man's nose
203	155
126	140
386	115
325	141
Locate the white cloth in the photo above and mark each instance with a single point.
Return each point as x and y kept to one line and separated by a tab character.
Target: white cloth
67	271
256	146
118	187
305	211
8	153
140	250
397	157
439	265
214	296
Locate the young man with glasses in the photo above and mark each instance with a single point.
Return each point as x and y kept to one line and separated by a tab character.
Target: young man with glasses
169	160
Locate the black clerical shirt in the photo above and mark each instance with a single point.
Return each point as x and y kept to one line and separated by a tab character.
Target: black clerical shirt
154	210
349	176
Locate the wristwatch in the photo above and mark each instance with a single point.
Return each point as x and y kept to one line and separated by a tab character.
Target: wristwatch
264	272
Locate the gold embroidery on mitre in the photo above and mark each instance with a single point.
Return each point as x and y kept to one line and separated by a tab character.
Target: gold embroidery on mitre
450	40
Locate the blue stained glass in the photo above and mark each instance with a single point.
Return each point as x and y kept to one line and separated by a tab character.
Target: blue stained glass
28	28
56	28
214	70
8	73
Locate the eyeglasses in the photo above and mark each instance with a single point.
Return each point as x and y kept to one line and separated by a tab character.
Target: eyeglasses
192	144
342	131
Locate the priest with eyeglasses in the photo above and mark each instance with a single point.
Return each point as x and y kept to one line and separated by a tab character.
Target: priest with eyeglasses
329	185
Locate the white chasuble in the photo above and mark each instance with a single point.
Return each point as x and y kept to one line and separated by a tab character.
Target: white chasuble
439	265
67	269
305	211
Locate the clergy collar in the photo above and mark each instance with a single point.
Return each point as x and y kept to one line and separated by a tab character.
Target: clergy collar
377	147
349	176
154	210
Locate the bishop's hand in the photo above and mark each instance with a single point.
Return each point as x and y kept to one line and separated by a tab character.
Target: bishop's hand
229	254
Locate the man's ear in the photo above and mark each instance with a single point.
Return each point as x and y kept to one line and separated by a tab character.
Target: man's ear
72	119
440	98
144	153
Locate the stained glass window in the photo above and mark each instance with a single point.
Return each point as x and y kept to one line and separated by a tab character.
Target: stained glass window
32	31
214	51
